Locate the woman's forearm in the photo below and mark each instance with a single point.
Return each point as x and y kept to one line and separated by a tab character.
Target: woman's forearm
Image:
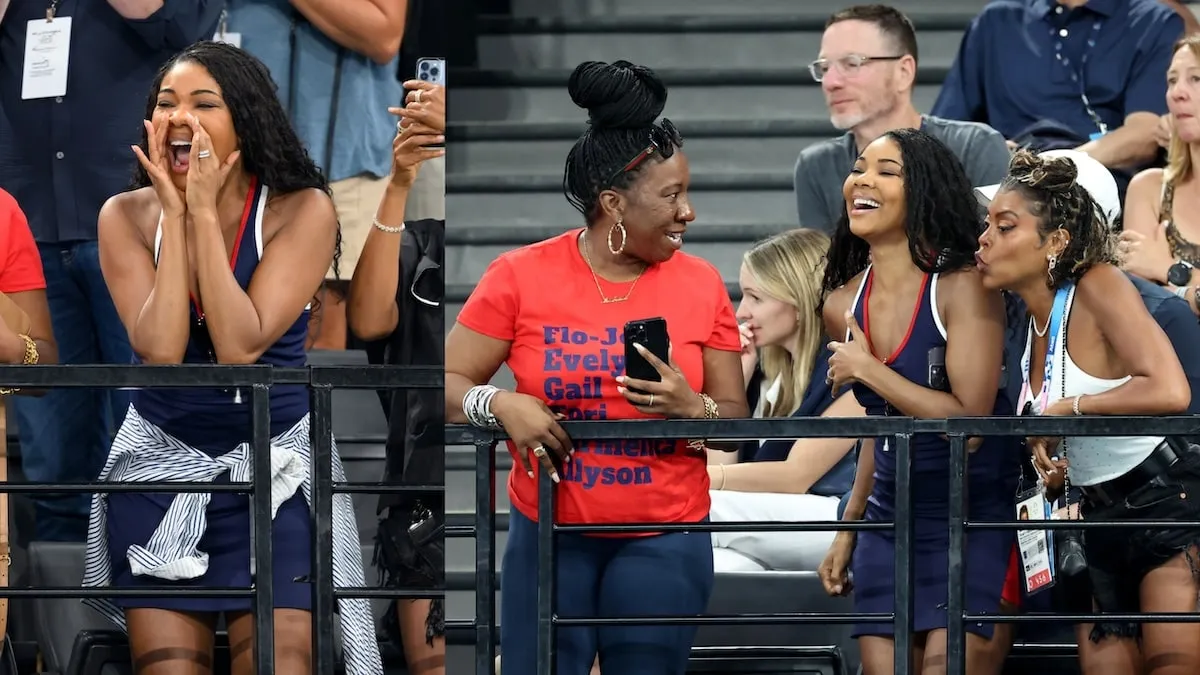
808	461
371	306
161	332
232	320
864	482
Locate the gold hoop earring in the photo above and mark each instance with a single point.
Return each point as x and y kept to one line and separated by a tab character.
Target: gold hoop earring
1052	262
619	226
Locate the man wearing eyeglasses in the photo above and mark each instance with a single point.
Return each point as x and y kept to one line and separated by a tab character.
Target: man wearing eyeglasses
867	67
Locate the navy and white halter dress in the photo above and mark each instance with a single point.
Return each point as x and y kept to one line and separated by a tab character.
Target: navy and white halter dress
993	470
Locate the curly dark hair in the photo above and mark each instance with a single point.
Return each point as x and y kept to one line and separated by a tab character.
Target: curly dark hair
623	101
943	218
271	149
1056	198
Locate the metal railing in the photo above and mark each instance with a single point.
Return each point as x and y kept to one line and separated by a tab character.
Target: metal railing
901	431
321	381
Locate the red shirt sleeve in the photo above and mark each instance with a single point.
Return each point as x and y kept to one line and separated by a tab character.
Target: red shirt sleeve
725	330
491	309
20	262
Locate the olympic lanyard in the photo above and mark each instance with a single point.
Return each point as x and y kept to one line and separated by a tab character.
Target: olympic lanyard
1056	321
1078	76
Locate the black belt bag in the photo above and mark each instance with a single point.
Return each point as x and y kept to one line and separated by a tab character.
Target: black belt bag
1114	491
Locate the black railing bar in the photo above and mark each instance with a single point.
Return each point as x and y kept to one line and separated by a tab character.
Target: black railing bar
262	568
385	488
485	585
321	508
904	574
207	375
956	635
377	377
1082	524
140	592
728	619
547	577
190	487
387	593
748	526
460	531
1155	617
841	427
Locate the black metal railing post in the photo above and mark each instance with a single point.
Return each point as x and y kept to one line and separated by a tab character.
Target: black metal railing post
324	603
546	578
261	568
902	624
956	573
485	556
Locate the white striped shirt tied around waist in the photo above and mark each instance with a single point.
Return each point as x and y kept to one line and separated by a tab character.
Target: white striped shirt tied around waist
142	452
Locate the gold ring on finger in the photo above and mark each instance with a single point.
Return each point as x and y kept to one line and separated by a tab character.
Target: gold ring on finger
203	154
540	452
417	98
651	403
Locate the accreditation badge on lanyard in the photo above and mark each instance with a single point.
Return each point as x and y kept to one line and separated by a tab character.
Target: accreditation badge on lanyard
1037	546
47	53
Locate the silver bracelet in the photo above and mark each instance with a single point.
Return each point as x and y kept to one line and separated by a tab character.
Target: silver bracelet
477	405
387	228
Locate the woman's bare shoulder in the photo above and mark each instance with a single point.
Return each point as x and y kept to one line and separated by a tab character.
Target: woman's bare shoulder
138	210
308	204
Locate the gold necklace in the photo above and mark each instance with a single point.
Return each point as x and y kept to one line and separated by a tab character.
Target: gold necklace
588	259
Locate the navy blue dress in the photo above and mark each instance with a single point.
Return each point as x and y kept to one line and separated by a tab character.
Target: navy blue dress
216	421
993	471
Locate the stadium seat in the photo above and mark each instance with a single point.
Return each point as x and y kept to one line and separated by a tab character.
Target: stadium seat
767	661
775	592
59	620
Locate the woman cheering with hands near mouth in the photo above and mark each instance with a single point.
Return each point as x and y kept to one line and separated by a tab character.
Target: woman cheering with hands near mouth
215	259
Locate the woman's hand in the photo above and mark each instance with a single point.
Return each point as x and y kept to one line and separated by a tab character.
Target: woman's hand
206	172
425	103
749	352
535	431
835	568
672	397
158	168
1147	257
409	150
850	359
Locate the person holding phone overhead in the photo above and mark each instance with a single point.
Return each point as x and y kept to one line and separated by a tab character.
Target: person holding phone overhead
554	312
922	338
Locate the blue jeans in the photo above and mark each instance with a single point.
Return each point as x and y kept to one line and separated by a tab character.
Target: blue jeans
606	577
65	435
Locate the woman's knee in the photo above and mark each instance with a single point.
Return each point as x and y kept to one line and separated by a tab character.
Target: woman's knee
293	641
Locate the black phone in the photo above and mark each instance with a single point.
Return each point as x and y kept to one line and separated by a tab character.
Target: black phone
651	334
938	379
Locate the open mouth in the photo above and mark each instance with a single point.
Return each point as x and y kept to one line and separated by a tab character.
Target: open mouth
863	204
676	238
180	155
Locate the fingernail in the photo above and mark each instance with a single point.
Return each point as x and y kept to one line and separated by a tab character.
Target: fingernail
620	378
554	476
441	138
620	390
639	347
530	473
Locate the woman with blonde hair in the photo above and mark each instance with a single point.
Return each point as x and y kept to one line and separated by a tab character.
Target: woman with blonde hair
1161	243
784	361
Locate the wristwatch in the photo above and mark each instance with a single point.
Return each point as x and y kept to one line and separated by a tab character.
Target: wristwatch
1179	274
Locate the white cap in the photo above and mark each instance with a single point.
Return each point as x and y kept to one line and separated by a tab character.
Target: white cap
1093	176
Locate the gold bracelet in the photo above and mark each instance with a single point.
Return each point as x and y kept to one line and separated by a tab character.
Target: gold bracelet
722	477
30	358
711	412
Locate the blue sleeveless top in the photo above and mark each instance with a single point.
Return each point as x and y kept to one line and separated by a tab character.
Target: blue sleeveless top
993	468
218	420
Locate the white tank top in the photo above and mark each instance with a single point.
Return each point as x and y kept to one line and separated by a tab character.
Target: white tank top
1092	459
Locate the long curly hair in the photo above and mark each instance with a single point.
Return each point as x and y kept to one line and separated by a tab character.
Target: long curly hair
271	149
623	101
942	220
1056	198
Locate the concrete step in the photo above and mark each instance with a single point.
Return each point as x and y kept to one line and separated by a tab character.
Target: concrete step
513	200
633	8
711	146
541	95
773	42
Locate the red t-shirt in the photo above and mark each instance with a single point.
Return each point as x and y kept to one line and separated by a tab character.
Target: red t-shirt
567	348
20	263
